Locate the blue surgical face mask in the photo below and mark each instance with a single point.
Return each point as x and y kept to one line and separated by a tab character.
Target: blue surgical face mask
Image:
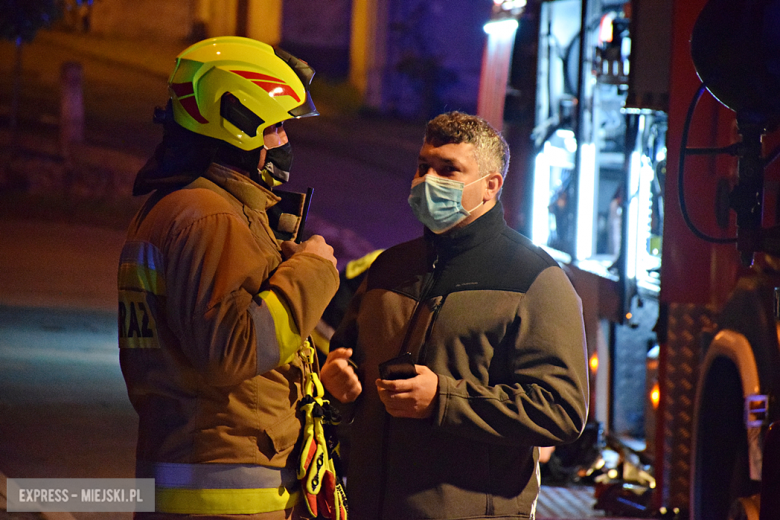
436	202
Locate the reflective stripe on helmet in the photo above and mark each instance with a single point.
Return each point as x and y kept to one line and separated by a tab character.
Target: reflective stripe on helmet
184	92
274	86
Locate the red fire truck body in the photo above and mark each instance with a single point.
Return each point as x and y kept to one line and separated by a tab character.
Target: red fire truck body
620	110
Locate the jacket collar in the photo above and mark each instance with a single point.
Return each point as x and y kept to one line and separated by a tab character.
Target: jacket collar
243	188
452	243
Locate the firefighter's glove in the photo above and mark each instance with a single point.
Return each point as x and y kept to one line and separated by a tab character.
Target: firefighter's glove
331	502
316	471
322	491
314	452
321	488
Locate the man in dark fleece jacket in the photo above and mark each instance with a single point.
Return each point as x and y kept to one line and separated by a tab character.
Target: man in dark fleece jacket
496	337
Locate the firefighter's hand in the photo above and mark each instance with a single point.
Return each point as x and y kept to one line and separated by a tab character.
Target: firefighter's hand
339	377
412	398
315	245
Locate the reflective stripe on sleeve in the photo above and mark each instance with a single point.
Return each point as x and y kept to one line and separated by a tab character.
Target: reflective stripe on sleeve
137	324
277	348
141	268
141	281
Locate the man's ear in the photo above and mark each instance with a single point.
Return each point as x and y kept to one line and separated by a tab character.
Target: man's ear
494	183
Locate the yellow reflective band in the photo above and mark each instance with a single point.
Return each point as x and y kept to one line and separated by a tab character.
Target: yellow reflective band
141	268
137	326
357	267
287	335
224	501
141	278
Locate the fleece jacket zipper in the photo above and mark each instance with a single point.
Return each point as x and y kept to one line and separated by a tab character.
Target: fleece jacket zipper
427	286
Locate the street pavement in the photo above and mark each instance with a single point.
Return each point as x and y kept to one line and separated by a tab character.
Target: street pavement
63	407
64	411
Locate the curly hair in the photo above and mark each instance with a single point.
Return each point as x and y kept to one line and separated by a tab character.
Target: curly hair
490	147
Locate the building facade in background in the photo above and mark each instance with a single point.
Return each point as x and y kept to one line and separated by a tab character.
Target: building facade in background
408	58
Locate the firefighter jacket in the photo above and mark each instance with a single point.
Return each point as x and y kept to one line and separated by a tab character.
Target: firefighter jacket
500	324
210	324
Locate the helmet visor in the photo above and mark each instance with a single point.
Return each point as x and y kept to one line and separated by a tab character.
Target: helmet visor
307	109
305	73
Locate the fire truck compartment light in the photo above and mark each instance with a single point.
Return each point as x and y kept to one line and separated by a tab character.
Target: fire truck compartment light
594	363
501	27
655	395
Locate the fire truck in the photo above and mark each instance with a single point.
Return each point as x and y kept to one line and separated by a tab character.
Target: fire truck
643	138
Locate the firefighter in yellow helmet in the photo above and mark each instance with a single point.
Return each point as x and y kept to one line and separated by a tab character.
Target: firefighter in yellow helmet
216	297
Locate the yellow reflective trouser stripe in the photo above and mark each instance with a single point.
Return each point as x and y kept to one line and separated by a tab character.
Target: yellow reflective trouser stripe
287	335
224	501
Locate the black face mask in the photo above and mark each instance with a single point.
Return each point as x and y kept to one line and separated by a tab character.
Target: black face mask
278	162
